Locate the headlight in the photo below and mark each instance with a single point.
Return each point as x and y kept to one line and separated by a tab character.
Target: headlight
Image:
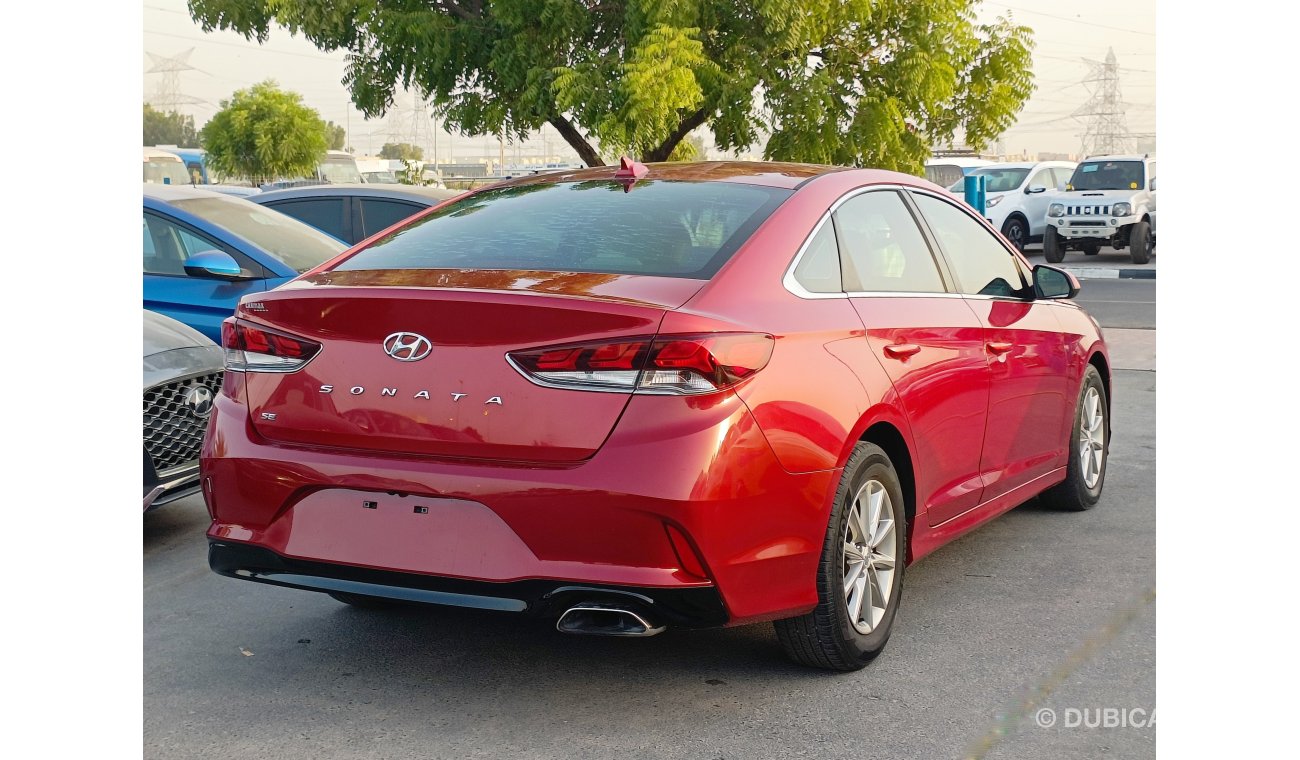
1056	209
995	200
1121	209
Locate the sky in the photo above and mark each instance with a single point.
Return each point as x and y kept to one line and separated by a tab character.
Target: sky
224	62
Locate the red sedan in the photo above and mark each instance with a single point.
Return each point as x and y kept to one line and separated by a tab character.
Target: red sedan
677	395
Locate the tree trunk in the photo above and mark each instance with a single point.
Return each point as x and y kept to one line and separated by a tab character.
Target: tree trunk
665	148
575	139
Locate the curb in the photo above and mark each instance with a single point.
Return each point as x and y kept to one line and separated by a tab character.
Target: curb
1104	273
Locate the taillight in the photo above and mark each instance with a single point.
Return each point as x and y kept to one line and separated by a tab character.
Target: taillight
252	348
668	364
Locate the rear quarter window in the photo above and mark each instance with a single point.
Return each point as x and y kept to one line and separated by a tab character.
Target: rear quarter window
661	228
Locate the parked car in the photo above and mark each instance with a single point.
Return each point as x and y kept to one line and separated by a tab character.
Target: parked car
239	191
352	212
182	376
1109	200
203	251
163	168
1017	196
946	171
380	171
626	398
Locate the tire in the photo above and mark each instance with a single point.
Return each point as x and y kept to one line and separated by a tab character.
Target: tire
1139	243
828	637
361	601
1016	231
1091	248
1053	247
1074	494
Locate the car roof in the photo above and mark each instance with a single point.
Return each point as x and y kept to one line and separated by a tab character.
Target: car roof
159	153
962	161
770	173
392	192
1118	158
169	193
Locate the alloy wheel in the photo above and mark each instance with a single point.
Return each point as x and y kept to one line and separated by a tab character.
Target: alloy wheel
1092	438
870	553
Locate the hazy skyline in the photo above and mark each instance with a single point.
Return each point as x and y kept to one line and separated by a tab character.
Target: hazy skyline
225	62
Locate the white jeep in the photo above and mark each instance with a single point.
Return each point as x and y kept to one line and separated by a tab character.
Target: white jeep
1110	200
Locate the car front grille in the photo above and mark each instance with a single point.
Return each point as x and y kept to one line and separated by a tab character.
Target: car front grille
1088	223
173	432
1087	210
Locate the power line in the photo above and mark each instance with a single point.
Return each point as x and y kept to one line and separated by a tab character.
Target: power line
245	46
1078	21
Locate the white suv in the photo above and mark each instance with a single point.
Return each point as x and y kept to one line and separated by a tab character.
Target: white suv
1110	200
1016	196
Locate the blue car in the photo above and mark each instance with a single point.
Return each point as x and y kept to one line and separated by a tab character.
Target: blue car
203	251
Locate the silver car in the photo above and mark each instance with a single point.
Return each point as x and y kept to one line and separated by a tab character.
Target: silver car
182	375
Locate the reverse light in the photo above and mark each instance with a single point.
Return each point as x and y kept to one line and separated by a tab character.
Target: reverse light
666	365
252	348
1121	209
1056	209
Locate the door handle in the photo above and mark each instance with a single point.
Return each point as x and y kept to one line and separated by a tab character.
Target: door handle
902	350
1000	347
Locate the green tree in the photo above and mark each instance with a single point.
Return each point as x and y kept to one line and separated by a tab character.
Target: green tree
859	82
169	128
336	135
264	133
690	149
402	152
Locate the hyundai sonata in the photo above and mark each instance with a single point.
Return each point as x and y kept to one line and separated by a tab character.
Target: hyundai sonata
677	395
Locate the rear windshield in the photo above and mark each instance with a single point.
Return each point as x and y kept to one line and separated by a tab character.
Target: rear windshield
662	228
296	244
161	171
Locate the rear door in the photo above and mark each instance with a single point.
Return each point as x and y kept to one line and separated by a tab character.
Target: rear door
1035	204
375	214
201	303
331	215
1025	348
926	337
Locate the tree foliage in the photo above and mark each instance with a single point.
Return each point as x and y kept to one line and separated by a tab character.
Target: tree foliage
857	82
402	152
336	135
169	128
265	133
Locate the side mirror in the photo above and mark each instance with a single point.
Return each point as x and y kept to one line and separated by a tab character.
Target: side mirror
1051	283
1153	184
214	265
1035	189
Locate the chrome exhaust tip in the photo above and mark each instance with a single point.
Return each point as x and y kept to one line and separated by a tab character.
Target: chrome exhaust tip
603	620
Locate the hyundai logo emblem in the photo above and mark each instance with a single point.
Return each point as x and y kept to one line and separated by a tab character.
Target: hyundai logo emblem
198	399
407	346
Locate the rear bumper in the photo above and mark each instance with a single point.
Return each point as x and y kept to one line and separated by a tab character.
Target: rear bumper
703	471
679	607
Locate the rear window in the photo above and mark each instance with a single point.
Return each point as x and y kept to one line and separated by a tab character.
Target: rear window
667	229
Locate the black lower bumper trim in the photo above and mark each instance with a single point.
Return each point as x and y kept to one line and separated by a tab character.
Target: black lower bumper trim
696	607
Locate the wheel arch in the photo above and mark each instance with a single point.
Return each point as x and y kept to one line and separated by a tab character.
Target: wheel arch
889	438
1098	360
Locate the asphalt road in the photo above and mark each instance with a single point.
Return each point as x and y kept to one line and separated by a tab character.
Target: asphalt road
1035	610
1120	303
